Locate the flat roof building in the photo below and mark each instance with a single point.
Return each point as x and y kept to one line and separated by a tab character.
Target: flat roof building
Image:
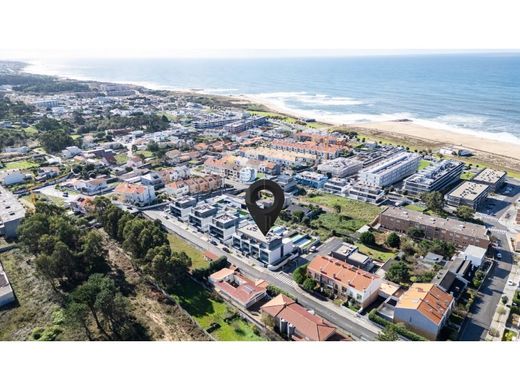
341	166
11	213
493	178
436	177
469	194
390	171
458	232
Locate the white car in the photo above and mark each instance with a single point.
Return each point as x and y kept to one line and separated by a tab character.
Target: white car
510	283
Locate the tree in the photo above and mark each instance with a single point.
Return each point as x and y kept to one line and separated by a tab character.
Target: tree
504	299
93	252
389	333
337	208
398	272
433	200
31	229
309	284
465	212
299	274
415	233
393	240
367	238
298	216
55	140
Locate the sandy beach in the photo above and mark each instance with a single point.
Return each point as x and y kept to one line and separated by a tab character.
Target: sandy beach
494	152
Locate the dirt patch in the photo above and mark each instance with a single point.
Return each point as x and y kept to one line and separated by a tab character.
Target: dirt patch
163	318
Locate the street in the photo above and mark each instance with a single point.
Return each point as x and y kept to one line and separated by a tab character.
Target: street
358	328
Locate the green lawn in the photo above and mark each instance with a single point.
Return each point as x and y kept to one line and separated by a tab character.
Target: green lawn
146	153
121	158
378	253
22	164
198	303
415	207
360	212
424	164
467	175
31	130
197	258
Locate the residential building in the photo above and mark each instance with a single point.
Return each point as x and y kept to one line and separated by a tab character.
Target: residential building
71	151
345	280
391	170
437	177
494	179
245	124
322	151
287	183
295	322
280	157
238	288
201	215
223	227
424	308
336	186
11	213
194	185
366	193
213	123
91	187
341	166
468	193
181	207
350	254
135	194
311	179
270	249
474	254
446	229
10	177
153	179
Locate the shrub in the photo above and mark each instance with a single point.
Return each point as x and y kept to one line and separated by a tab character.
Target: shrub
393	240
367	238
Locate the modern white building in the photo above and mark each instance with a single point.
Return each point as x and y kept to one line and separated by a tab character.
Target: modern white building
223	226
391	170
201	216
181	207
247	175
270	249
341	167
436	177
474	254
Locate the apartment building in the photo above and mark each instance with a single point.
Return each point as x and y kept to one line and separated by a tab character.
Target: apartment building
223	226
201	216
287	183
181	207
231	166
437	177
391	170
295	322
460	233
424	308
366	193
341	166
214	123
12	213
311	179
281	157
469	194
245	124
270	249
494	179
194	185
336	186
344	279
323	151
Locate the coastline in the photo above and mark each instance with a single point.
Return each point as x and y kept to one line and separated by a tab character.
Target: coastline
495	153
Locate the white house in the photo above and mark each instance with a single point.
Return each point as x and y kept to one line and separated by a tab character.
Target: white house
474	254
71	151
136	194
91	187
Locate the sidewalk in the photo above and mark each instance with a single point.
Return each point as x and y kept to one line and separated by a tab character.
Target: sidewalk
502	312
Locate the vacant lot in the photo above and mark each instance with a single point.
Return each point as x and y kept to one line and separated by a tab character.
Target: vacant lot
197	301
36	302
22	164
179	245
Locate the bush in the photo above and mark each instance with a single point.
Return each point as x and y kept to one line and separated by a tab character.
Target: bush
309	284
367	238
504	299
393	240
403	331
300	274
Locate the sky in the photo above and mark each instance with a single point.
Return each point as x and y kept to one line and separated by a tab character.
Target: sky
156	28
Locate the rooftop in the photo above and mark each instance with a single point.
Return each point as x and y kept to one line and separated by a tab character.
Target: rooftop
10	208
490	176
428	299
469	190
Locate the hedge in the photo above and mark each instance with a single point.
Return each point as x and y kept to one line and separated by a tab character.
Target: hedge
373	316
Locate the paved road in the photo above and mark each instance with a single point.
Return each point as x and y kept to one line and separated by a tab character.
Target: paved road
359	328
477	324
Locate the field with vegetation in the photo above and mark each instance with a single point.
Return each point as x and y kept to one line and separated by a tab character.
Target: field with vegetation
22	164
424	164
197	301
180	245
359	212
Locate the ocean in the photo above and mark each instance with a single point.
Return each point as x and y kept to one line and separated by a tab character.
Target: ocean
467	93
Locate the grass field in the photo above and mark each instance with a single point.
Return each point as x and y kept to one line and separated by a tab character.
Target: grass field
379	253
198	303
424	164
415	207
467	175
31	130
22	164
121	158
197	258
361	212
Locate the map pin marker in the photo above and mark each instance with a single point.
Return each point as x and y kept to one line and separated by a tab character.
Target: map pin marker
264	218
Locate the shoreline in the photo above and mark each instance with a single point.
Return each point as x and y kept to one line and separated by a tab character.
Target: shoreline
486	150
